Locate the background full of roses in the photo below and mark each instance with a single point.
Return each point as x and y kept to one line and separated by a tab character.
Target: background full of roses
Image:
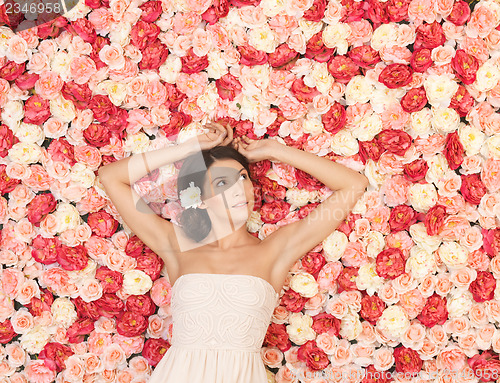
405	91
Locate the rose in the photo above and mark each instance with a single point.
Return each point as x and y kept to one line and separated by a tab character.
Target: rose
307	181
11	71
39	305
434	219
370	149
79	94
434	311
83	28
135	247
326	323
316	49
72	258
102	223
271	190
86	309
251	56
376	12
335	119
429	36
117	122
454	150
407	361
353	11
218	9
151	264
154	349
153	56
191	63
364	56
293	301
302	92
7	184
131	324
228	87
472	188
316	11
111	281
414	100
396	75
109	305
44	250
7	332
282	56
39	207
97	135
97	45
143	33
276	336
415	171
343	68
141	304
397	10
347	279
315	358
462	101
390	263
486	366
81	327
491	241
465	66
394	141
54	354
102	107
36	110
460	13
483	287
402	217
151	10
7	140
421	60
372	308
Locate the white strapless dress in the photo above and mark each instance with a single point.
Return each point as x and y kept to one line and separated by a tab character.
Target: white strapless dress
219	322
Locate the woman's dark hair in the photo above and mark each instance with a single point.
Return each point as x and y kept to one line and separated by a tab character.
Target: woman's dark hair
196	222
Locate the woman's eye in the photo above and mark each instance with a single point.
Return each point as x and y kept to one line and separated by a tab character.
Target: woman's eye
244	175
219	183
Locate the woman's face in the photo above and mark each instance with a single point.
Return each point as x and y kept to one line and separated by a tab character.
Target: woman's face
228	192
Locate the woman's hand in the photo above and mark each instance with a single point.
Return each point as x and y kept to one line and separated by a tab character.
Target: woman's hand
256	150
217	134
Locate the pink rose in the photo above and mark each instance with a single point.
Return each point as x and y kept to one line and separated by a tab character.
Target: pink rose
335	119
460	13
434	311
316	11
429	36
483	287
36	110
390	263
364	56
38	371
343	68
465	66
472	188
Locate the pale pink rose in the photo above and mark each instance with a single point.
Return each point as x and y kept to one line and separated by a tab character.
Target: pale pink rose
484	335
161	292
219	36
182	44
201	42
286	176
476	47
404	283
467	342
155	93
383	358
315	304
88	155
82	68
457	326
192	84
463	277
454	227
75	368
98	341
296	130
367	335
285	375
328	275
395	54
136	86
140	365
427	286
414	336
452	204
336	307
472	239
45	320
355	113
394	117
156	326
396	190
22	321
327	342
452	31
55	128
130	345
55	278
190	107
101	18
361	228
37	371
337	91
443	284
493	40
16	354
429	349
92	363
481	23
478	260
267	229
437	334
291	107
354	255
494	97
352	298
489	174
48	85
412	302
361	32
318	144
97	246
90	290
12	280
442	55
492	308
125	376
17	49
452	358
115	259
271	356
430	145
363	354
38	63
449	184
439	70
342	354
388	294
28	290
401	240
322	103
79	348
48	47
113	356
280	315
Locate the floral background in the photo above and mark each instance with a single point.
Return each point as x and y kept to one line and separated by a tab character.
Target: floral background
405	91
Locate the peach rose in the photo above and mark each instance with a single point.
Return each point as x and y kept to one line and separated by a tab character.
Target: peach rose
463	277
438	335
428	350
271	356
342	354
336	307
451	358
484	335
443	284
383	358
92	363
17	356
414	336
37	371
388	293
140	365
404	283
113	356
459	326
74	368
98	341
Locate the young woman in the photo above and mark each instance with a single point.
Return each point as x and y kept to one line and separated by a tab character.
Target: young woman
225	282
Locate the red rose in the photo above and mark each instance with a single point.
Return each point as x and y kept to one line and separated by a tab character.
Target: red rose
335	119
131	324
117	122
143	33
39	207
135	247
271	190
109	305
306	209
259	169
364	56
347	279
342	68
316	49
324	322
472	188
460	14
491	241
111	281
276	336
7	140
353	10
397	10
465	66
316	12
177	121
372	308
394	141
315	358
434	311
52	28
416	170
390	263
228	87
36	110
83	28
429	36
7	332
192	63
347	225
218	10
38	305
434	219
174	99
414	100
244	3
407	361
486	366
154	349
421	60
307	181
27	80
151	264
81	327
54	355
402	217
293	301
454	150
97	135
7	184
10	71
313	262
153	56
302	92
44	250
72	258
483	287
151	10
102	107
370	150
140	304
86	309
282	55
274	211
98	44
396	75
102	223
251	56
78	93
462	101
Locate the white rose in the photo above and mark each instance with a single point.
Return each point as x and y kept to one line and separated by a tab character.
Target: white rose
334	246
310	28
359	89
374	242
313	126
335	36
217	66
420	263
487	76
115	90
471	138
82	174
60	64
67	217
12	114
385	35
63	312
440	89
368	128
136	282
30	133
120	35
422	197
373	174
25	153
254	79
320	77
344	144
170	69
35	340
393	322
299	330
453	254
263	39
350	326
136	143
254	222
438	167
272	8
368	278
207	101
77	10
62	109
492	147
304	284
458	302
419	235
420	122
5	35
297	197
445	120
